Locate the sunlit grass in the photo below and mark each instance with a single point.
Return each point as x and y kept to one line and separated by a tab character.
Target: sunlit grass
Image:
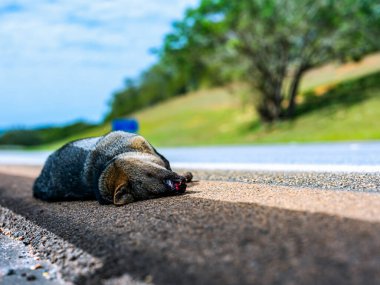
334	73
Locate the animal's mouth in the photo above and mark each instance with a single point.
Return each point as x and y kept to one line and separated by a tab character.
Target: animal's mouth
176	186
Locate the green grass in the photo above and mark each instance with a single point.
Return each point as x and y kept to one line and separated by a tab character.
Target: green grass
334	73
340	116
358	122
330	111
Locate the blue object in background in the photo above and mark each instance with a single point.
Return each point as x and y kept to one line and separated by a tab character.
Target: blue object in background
127	125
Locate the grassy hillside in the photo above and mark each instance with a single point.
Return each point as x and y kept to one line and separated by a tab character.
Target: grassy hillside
337	103
350	111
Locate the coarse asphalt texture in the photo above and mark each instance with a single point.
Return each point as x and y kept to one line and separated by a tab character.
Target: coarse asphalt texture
263	228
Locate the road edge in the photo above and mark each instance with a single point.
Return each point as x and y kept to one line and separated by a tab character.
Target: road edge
73	263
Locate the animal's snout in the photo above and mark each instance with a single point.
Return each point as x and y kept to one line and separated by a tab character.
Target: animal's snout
180	186
176	185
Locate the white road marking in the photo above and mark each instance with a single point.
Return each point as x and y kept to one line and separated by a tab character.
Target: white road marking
279	167
19	158
39	158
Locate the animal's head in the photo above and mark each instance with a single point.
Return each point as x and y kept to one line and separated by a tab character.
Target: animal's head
138	176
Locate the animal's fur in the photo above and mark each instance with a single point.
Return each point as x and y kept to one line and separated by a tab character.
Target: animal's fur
117	168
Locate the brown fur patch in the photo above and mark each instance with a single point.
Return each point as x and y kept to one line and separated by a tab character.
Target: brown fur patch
141	145
122	196
117	177
113	178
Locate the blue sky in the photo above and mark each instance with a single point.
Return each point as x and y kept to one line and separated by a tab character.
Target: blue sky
60	61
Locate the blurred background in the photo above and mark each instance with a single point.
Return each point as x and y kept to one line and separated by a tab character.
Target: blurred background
189	72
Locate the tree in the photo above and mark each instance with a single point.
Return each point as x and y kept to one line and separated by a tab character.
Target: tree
124	101
182	67
269	43
187	50
279	40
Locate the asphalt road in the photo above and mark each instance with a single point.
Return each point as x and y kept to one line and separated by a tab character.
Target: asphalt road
220	232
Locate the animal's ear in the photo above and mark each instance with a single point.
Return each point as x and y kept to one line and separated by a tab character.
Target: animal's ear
113	184
140	144
122	195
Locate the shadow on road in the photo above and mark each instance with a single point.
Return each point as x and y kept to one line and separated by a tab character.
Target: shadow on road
187	240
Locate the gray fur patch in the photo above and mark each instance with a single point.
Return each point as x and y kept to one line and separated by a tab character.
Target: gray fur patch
86	144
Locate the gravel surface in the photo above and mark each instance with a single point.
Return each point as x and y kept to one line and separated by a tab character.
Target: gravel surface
361	182
217	233
18	265
72	262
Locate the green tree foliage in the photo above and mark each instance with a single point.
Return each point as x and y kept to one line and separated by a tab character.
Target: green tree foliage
279	40
269	43
183	66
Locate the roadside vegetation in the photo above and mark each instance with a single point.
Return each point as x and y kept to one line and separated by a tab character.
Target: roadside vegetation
41	136
269	44
332	111
251	72
349	111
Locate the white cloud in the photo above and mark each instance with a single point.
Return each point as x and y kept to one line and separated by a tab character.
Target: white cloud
43	29
78	37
